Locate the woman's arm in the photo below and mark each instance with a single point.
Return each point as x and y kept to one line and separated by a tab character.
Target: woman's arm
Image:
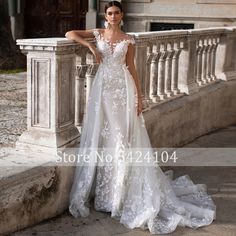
80	36
133	72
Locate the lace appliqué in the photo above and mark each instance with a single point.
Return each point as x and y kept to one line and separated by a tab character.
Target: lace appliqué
139	195
105	130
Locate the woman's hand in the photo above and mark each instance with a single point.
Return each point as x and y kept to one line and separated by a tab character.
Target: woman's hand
96	53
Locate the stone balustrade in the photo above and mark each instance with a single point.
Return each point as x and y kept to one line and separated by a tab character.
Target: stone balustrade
206	48
169	64
157	62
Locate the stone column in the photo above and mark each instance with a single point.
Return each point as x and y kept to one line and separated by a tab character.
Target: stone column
226	55
50	94
17	26
187	67
16	13
91	16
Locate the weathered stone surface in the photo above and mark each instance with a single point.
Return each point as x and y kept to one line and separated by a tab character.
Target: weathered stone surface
33	188
50	86
220	182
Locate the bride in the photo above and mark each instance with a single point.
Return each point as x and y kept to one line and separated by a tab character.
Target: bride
139	195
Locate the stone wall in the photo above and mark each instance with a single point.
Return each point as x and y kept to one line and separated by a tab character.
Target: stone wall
182	120
139	14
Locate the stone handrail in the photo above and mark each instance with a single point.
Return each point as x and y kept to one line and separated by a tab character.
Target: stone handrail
169	64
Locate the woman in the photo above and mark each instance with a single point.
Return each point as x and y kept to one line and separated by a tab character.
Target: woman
139	195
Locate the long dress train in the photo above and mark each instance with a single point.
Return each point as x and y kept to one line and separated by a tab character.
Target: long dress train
138	195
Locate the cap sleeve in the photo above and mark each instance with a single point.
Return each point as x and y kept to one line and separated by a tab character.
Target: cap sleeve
96	33
132	40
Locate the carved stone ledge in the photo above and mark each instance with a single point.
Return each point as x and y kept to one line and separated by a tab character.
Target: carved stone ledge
159	36
47	45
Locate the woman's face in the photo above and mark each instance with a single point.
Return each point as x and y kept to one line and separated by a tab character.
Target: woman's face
113	15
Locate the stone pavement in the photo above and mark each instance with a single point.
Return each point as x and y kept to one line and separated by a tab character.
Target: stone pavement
220	180
12	107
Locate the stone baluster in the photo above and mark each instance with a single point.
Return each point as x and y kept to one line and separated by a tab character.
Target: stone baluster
154	73
204	61
147	99
161	71
80	78
90	74
215	42
140	57
50	94
199	52
168	72
209	59
175	69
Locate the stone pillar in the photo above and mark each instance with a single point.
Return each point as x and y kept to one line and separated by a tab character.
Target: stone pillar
226	55
91	16
50	94
16	13
17	26
187	67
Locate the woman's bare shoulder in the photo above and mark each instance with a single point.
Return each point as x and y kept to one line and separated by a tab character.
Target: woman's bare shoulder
127	36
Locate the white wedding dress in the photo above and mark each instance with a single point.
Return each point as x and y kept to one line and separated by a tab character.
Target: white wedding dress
138	195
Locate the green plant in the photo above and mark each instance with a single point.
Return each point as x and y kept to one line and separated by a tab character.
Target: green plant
14	71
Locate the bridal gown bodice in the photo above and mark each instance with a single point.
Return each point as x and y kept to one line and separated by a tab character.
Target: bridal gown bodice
138	195
113	69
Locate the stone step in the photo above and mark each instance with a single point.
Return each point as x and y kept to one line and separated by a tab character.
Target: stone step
33	188
101	224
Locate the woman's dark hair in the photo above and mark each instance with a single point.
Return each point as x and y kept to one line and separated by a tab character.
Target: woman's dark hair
113	3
